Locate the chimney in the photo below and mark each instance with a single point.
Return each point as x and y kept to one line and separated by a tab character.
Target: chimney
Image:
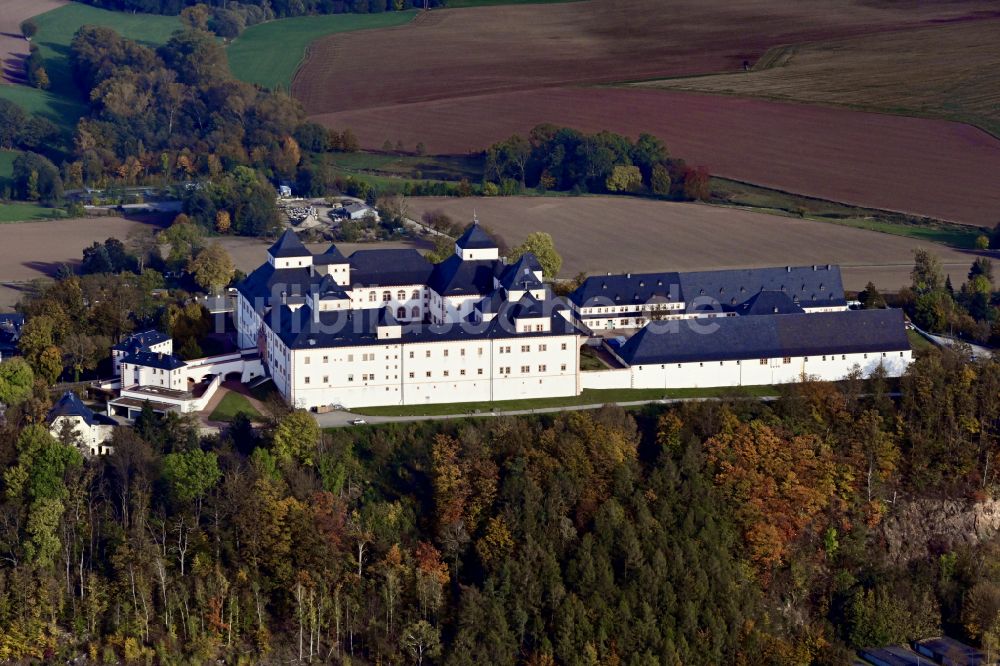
788	269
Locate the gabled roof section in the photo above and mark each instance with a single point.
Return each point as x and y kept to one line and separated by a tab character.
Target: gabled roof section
527	307
769	302
288	245
331	256
809	286
328	289
456	277
767	336
267	282
154	360
628	289
378	268
71	405
386	317
522	273
140	341
475	238
304	328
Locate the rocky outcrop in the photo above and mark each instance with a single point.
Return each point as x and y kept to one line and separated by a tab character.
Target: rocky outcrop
927	528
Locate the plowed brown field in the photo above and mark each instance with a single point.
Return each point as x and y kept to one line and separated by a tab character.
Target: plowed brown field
920	166
621	234
452	53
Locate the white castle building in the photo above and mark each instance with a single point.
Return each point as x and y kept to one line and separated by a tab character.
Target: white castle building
387	327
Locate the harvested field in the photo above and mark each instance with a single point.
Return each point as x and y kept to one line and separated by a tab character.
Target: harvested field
919	166
950	71
32	250
598	234
459	52
13	47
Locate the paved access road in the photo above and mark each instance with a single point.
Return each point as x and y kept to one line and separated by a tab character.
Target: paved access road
341	419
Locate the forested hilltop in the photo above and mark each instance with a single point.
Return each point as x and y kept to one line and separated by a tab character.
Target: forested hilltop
735	532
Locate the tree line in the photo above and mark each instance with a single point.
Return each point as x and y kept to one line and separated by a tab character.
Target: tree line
261	10
565	159
732	532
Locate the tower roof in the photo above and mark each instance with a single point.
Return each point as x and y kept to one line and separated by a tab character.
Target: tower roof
288	245
475	238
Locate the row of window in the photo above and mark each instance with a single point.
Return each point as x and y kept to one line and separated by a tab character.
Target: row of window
370	377
400	296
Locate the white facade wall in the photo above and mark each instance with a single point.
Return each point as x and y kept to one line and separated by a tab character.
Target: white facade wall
758	372
483	254
140	375
606	379
90	438
413	298
435	372
165	347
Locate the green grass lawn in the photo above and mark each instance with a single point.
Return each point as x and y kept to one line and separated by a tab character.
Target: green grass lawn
421	167
62	110
270	53
25	212
736	193
919	342
587	397
231	405
57	27
7	158
62	103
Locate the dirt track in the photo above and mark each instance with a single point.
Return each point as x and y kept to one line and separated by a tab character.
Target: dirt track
619	234
460	52
926	167
13	47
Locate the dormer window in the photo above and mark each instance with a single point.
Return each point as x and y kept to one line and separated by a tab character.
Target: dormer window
642	283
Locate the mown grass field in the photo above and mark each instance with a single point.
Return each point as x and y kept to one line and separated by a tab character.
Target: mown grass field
948	71
62	103
586	397
270	53
57	27
428	167
25	212
231	405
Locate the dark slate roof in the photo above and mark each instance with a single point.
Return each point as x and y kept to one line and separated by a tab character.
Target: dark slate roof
328	289
267	282
492	303
140	341
767	336
71	405
475	238
455	277
154	360
288	245
809	286
12	320
527	306
386	317
377	268
949	651
521	274
303	328
630	288
331	256
769	302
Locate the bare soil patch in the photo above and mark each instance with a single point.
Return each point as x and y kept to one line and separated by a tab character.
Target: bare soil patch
920	166
13	47
621	234
460	52
949	71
